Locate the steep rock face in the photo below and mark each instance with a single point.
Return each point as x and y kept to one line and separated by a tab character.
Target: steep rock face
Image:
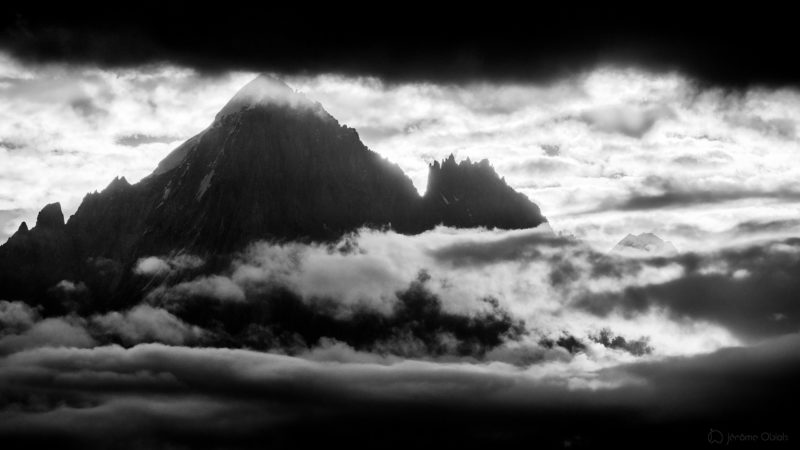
23	228
273	165
109	223
275	171
39	257
50	217
470	194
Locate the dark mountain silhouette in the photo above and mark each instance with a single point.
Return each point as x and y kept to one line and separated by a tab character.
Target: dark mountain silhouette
273	165
470	194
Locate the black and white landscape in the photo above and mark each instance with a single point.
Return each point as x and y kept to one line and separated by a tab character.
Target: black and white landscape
220	232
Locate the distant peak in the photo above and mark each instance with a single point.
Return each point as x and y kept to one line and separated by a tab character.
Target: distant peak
266	90
644	244
118	182
50	216
23	228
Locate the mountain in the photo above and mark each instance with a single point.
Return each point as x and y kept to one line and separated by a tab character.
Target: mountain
272	165
470	194
644	245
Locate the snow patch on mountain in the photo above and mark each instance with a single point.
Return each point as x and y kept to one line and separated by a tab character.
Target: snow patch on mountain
204	184
644	245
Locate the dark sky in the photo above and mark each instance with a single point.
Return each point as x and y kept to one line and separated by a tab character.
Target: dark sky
734	47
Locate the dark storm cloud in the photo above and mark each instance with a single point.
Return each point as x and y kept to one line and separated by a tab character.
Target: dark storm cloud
205	398
726	385
636	347
693	197
752	291
517	247
414	41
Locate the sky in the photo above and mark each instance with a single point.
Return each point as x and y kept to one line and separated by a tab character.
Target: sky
451	337
604	153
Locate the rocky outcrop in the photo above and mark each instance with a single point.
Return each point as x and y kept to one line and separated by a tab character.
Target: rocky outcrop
468	194
33	260
23	228
50	217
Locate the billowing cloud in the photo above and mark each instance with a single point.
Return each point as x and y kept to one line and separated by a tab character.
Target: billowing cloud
154	265
446	292
66	332
144	323
213	286
16	317
749	290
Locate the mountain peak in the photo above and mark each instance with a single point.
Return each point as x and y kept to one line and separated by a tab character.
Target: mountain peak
644	244
266	90
117	184
472	194
50	216
273	166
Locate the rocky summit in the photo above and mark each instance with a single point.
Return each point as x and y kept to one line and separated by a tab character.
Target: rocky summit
273	165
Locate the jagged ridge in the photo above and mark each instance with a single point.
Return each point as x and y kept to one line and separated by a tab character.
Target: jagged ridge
272	165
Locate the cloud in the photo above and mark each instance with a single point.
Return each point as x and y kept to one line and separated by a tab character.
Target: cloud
213	286
625	120
332	42
268	90
87	108
153	393
154	265
547	165
92	118
24	328
137	139
417	325
517	246
721	383
151	265
637	347
16	317
144	323
692	198
781	127
749	290
443	293
61	332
